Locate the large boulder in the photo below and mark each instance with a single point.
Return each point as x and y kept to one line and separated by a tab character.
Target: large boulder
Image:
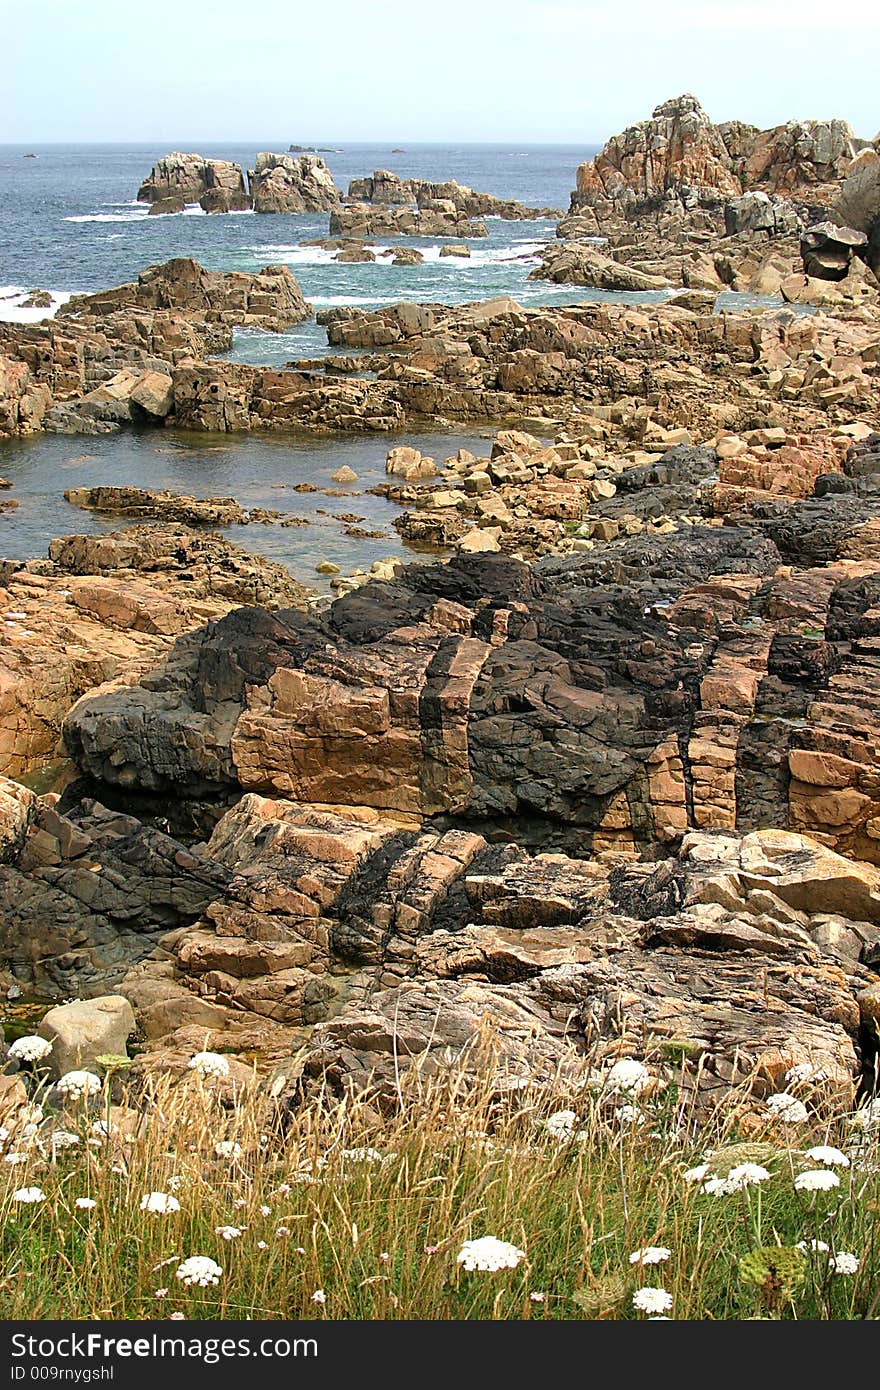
189	177
575	263
82	1032
288	183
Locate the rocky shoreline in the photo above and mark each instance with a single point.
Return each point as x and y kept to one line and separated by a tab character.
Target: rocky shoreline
607	776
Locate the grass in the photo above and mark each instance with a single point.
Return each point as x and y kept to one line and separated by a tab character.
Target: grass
372	1210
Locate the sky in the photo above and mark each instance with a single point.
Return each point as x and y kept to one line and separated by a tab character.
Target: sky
180	71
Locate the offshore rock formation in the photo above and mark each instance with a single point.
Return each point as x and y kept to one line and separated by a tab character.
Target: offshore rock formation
284	183
680	154
106	608
441	218
190	177
383	186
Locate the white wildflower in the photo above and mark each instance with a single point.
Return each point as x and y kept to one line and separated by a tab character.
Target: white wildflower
261	1245
362	1155
227	1148
209	1064
86	1203
746	1175
63	1139
489	1254
265	1211
159	1203
843	1263
15	1157
867	1117
629	1115
814	1247
30	1049
319	1296
696	1174
787	1108
199	1270
228	1232
652	1300
561	1125
650	1255
828	1156
29	1194
816	1180
77	1085
628	1075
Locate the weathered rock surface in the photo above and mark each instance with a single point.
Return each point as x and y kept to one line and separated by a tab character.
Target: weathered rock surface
680	154
287	183
573	263
442	218
189	177
107	607
82	1032
383	186
626	695
271	298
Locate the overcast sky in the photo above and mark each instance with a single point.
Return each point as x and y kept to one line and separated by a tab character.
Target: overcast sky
180	71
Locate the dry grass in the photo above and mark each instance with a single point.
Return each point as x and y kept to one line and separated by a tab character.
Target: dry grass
373	1211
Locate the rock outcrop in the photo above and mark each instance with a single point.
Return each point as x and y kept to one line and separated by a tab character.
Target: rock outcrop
190	177
106	608
383	186
680	154
269	298
286	183
730	961
573	263
441	218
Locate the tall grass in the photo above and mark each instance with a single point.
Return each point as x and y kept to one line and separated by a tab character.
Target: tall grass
369	1210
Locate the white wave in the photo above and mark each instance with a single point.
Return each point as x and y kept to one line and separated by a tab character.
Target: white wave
294	255
11	301
324	301
110	216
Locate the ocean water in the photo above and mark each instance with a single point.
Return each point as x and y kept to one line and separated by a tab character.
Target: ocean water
70	223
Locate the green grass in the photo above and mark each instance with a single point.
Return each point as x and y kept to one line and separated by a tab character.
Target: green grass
380	1234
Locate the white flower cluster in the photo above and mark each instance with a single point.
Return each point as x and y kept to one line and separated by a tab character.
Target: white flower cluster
627	1077
29	1195
826	1155
652	1300
743	1176
489	1254
561	1125
361	1155
650	1255
30	1049
228	1232
85	1203
159	1203
844	1263
78	1085
209	1064
816	1180
227	1148
787	1108
199	1270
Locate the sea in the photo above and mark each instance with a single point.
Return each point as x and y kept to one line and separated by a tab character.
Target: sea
70	223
